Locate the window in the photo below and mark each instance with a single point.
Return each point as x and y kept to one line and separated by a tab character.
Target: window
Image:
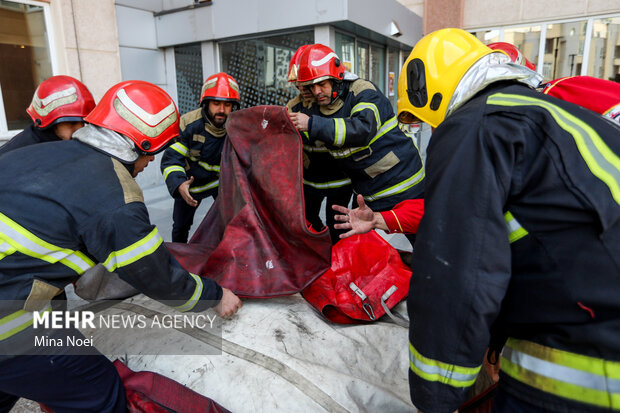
260	66
365	59
605	39
564	49
527	39
25	59
188	64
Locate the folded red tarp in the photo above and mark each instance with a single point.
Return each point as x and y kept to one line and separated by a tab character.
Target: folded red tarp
149	392
255	240
366	276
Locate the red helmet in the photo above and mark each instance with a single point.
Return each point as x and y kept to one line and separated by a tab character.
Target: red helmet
141	111
513	52
317	63
60	99
220	86
293	66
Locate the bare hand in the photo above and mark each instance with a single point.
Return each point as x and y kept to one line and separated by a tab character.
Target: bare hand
300	121
359	220
184	191
228	305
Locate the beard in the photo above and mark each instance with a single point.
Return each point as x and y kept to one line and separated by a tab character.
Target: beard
217	119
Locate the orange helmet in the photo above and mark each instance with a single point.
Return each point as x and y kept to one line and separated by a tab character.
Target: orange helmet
60	99
141	111
513	53
220	86
293	66
317	63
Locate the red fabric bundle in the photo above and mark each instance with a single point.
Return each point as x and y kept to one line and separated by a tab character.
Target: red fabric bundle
254	240
362	266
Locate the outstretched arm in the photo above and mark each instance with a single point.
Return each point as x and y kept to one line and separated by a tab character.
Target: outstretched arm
359	220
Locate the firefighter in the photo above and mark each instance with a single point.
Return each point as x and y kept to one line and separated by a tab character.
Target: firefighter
518	248
191	166
77	204
356	123
323	178
58	108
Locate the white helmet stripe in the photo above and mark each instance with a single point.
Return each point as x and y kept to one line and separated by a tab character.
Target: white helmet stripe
323	60
144	116
56	95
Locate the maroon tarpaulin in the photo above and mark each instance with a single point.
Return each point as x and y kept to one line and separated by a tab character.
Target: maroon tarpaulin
149	392
255	239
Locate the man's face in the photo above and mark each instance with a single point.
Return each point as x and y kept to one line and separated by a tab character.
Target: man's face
219	111
322	92
306	94
141	163
64	130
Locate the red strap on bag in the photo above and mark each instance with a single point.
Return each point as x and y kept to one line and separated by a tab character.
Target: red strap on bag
366	276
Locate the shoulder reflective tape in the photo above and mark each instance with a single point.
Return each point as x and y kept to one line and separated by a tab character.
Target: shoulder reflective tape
385	128
191	303
134	252
600	159
175	168
515	230
63	97
433	370
399	187
29	244
573	376
340	131
328	185
17	321
210	185
180	148
209	167
365	105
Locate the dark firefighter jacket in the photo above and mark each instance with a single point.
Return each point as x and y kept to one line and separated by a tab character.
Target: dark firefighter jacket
321	171
361	132
520	237
29	136
73	207
196	153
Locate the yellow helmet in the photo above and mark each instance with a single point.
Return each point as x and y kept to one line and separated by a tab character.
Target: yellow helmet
432	72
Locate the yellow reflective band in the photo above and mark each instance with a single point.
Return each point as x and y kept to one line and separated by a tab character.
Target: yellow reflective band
191	303
385	128
340	131
29	244
364	105
210	185
399	187
515	230
434	370
328	185
180	148
5	249
173	168
208	167
573	376
134	252
17	321
601	160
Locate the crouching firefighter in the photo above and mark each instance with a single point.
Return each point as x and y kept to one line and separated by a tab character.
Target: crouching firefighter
77	204
191	166
58	109
519	247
